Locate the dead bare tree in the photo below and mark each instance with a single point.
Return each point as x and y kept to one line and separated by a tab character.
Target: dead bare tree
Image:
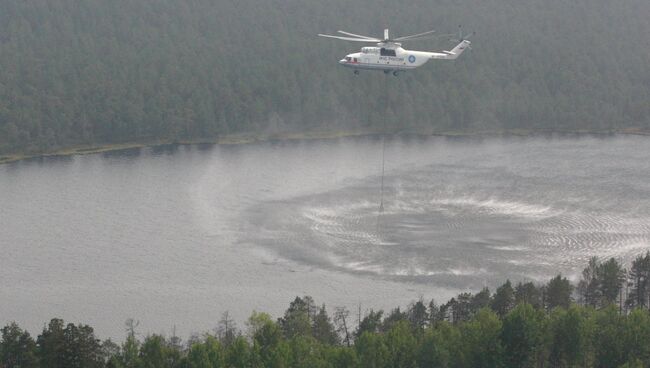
341	315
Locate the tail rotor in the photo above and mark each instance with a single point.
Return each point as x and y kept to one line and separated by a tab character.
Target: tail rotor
462	37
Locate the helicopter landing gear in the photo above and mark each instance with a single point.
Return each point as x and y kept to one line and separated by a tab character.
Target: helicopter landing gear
386	71
356	72
395	73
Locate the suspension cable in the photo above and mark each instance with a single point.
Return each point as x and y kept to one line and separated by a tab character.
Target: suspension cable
383	147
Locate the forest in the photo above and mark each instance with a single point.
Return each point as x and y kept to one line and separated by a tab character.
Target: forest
603	321
86	73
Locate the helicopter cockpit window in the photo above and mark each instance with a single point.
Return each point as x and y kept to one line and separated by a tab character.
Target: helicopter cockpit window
347	58
387	52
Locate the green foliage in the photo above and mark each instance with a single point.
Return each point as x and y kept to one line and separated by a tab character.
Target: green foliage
633	364
601	283
340	357
51	344
612	276
370	323
69	347
528	293
306	352
481	340
207	354
637	336
256	322
323	330
441	347
558	293
129	357
401	345
570	337
104	72
371	350
239	354
480	300
525	336
522	336
589	287
296	320
504	299
461	307
156	352
639	282
609	338
394	317
418	315
269	344
17	348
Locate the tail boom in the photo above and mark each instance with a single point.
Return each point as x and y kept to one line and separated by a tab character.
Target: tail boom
454	53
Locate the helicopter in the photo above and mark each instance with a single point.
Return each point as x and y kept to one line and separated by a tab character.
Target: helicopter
388	54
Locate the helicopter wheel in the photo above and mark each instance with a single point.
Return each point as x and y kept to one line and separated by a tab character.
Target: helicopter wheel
395	73
356	72
386	71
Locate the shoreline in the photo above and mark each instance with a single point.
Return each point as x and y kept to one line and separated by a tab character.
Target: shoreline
248	138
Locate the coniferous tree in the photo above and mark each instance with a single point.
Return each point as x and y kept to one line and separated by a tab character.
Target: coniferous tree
504	299
51	344
528	293
639	282
147	70
480	300
395	316
371	350
571	337
239	354
322	328
72	346
417	315
401	345
481	338
558	293
296	320
206	354
612	275
17	348
589	288
522	334
610	344
462	307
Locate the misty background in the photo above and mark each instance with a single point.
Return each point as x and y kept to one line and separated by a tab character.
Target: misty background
98	72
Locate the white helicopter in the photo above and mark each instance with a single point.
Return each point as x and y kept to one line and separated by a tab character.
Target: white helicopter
389	55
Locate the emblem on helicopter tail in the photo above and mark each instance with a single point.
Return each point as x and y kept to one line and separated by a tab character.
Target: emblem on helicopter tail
411	58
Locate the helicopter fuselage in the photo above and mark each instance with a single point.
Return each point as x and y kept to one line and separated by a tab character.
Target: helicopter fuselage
394	58
387	59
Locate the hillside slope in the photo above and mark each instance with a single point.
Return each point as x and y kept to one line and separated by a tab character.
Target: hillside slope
97	72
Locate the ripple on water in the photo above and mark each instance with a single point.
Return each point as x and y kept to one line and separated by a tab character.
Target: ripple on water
447	236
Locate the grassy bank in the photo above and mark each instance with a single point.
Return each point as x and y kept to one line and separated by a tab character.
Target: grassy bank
241	138
247	138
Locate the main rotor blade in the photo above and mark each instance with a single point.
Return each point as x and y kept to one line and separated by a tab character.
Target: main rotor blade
428	37
366	40
404	38
356	35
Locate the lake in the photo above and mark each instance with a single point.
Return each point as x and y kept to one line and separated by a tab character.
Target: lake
176	235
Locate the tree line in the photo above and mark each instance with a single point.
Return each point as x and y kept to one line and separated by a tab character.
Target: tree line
100	72
527	325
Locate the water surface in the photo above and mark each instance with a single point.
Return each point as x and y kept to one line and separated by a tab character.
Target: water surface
178	235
